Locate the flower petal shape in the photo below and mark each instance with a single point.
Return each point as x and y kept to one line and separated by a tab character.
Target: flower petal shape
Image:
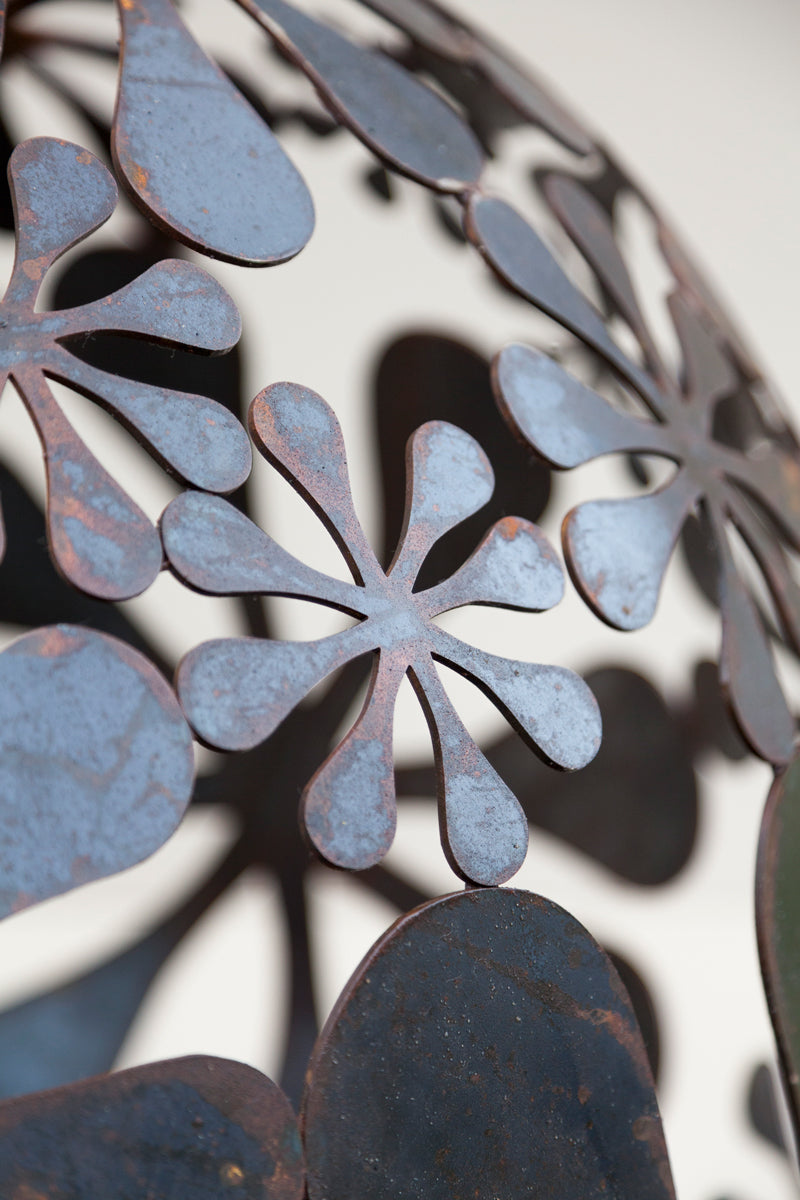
551	706
199	1127
618	550
218	550
195	436
483	828
501	1055
299	433
448	478
514	566
174	302
61	193
520	257
96	765
348	807
565	422
223	186
589	225
99	539
398	117
236	691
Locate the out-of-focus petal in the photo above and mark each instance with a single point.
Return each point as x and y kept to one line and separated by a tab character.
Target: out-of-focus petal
565	421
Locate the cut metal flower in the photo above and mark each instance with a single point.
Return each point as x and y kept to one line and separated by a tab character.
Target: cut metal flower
236	691
618	550
101	541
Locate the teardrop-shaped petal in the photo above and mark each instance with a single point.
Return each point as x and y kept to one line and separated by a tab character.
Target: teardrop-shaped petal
483	828
218	550
196	1127
236	691
299	433
551	706
197	437
589	226
174	302
61	194
96	765
397	116
100	540
565	422
517	253
746	668
349	808
448	478
618	550
514	566
498	1055
778	923
194	154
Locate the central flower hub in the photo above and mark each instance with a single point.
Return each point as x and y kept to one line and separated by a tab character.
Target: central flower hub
698	453
26	338
395	616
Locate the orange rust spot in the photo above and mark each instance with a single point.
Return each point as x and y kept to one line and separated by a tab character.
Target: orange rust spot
24	1191
584	1093
231	1174
84	158
140	176
510	527
52	643
35	268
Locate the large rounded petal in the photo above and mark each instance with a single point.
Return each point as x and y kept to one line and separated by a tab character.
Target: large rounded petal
194	154
96	764
385	106
496	1054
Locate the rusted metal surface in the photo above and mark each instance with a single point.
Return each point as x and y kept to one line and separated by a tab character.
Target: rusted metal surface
99	538
618	550
200	1127
500	1056
194	154
97	764
236	692
778	924
401	119
634	809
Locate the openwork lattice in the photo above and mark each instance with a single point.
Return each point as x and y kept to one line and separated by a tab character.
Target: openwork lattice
486	1044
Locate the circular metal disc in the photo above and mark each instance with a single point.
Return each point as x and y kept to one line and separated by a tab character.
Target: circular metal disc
485	1047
